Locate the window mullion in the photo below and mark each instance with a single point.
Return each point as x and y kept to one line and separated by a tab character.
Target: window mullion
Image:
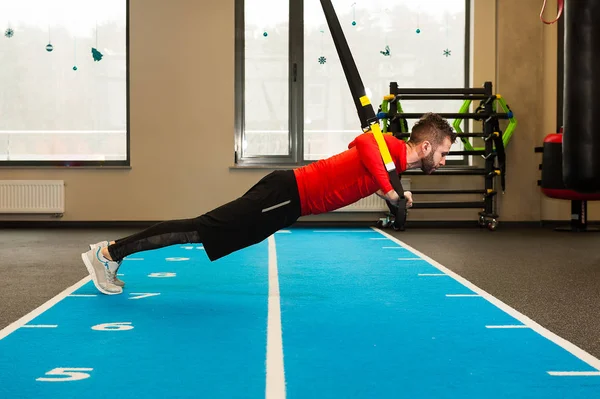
296	80
239	78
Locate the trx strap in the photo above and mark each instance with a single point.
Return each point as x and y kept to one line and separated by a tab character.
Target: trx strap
500	140
497	140
365	111
499	144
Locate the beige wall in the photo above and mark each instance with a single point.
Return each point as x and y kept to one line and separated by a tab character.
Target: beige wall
520	66
182	94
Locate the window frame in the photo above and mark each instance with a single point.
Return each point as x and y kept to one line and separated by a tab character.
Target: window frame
97	163
296	89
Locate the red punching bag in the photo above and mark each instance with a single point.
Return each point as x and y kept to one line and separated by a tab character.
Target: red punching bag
552	184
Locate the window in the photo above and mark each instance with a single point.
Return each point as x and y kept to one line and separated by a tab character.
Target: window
64	98
293	101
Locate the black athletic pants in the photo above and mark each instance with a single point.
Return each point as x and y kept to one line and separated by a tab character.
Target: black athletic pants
270	205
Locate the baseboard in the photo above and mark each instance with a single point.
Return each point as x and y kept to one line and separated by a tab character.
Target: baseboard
46	224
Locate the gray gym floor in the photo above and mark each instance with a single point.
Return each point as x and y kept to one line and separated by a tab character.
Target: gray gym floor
551	277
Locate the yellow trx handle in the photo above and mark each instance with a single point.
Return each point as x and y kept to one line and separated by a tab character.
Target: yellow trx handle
383	149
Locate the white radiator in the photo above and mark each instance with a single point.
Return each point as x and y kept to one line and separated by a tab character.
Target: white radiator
372	203
32	196
369	204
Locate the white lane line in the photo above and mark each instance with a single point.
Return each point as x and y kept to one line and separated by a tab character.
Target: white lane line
410	259
563	343
432	274
284	231
575	373
378	238
143	294
40	326
82	295
509	326
396	247
462	295
42	308
275	386
342	231
133	259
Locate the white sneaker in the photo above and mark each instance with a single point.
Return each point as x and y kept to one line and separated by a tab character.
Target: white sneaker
113	267
98	270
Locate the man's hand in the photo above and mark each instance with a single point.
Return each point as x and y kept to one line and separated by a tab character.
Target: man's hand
409	199
393	197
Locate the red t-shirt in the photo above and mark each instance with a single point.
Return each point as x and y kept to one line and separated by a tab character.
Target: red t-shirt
345	178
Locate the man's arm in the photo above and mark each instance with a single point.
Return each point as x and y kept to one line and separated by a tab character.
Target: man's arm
369	154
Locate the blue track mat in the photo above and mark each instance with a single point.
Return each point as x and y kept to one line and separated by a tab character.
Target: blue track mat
308	313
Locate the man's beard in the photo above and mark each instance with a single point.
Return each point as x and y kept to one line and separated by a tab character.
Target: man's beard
427	164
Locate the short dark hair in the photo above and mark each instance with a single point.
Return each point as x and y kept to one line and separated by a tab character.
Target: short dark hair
433	128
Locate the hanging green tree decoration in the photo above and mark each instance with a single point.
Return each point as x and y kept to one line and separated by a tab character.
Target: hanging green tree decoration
97	55
9	33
